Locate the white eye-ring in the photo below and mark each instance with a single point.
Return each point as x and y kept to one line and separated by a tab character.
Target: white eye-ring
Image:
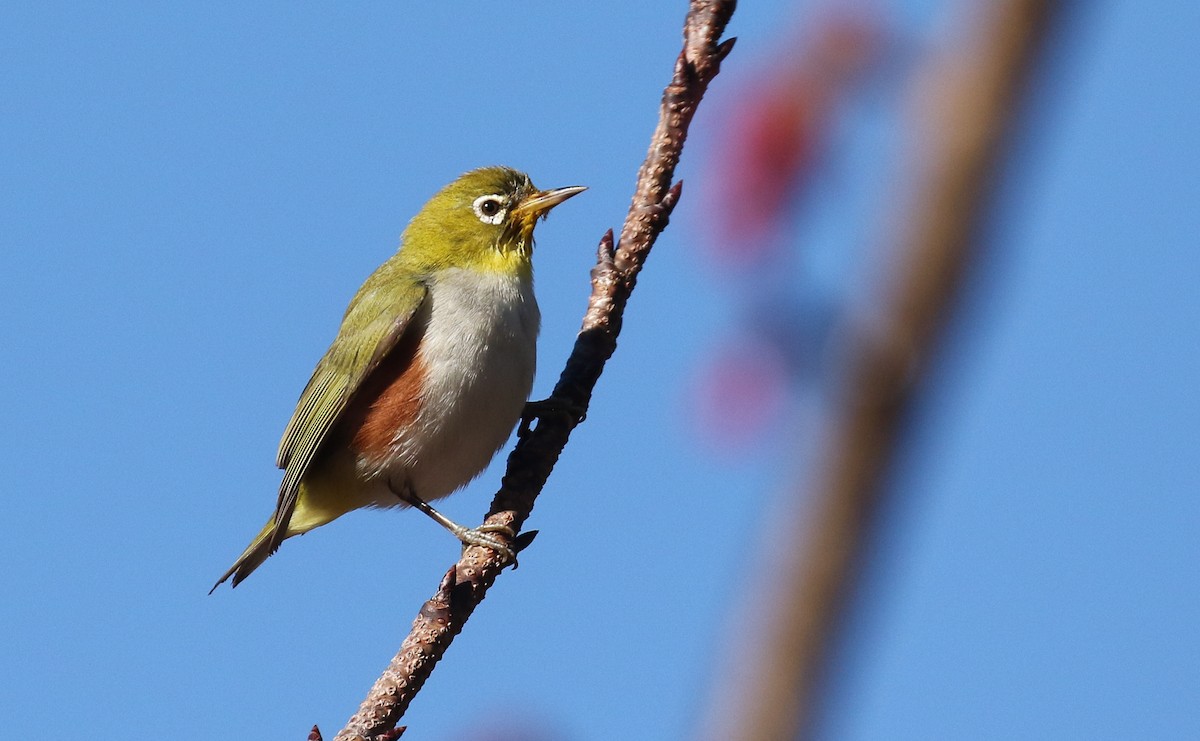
490	209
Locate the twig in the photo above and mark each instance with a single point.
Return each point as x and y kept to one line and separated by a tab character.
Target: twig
537	450
975	98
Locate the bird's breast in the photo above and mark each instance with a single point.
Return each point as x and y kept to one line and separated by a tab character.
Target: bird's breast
445	416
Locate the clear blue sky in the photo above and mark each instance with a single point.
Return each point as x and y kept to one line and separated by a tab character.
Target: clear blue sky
190	195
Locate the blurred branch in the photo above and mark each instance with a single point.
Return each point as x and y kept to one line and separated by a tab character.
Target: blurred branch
970	104
466	583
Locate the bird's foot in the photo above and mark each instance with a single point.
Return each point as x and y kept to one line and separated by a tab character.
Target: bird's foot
467	535
517	542
551	406
482	536
508	547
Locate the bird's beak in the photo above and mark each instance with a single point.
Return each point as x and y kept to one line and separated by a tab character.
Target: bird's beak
540	203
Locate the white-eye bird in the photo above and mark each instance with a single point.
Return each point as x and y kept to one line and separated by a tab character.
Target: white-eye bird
429	371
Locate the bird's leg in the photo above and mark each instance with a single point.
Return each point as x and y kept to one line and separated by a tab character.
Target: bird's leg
553	405
467	535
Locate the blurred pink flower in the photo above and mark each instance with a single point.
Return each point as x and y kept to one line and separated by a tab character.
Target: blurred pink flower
741	392
772	138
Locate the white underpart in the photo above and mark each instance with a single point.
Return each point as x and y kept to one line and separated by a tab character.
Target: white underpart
479	352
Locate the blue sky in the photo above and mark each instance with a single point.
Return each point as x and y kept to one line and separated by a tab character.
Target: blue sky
189	196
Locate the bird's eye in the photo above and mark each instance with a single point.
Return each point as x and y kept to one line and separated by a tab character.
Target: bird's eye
490	209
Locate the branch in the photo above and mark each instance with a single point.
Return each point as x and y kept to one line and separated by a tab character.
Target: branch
538	448
975	97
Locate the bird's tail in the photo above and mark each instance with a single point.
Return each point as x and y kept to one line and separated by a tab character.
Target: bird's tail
251	558
322	499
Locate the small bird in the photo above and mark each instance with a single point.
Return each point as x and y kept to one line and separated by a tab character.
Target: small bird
429	372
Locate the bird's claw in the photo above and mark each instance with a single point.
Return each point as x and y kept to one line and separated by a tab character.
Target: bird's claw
469	536
481	536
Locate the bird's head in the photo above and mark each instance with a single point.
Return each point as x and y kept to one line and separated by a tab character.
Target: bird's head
484	220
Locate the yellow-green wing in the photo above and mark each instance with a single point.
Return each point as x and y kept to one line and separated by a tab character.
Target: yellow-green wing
380	314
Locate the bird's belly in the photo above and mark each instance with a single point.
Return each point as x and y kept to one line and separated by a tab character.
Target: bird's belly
465	437
478	356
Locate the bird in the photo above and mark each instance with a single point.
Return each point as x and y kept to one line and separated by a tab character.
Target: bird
429	371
